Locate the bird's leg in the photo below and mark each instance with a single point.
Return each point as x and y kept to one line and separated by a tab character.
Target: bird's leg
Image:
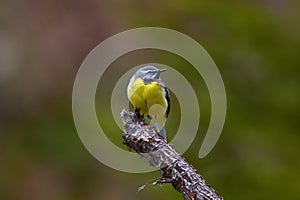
139	117
149	117
137	113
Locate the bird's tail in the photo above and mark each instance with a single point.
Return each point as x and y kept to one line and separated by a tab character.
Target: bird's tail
161	130
159	118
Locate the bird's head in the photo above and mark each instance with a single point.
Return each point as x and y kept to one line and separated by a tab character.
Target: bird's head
149	73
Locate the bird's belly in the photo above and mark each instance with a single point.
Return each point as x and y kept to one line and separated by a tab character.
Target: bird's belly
156	102
154	95
148	97
138	100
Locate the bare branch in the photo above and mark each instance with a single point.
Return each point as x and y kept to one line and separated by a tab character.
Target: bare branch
174	169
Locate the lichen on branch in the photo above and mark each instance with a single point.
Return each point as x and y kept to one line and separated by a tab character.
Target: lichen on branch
173	167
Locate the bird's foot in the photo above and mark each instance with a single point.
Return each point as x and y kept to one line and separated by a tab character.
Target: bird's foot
138	117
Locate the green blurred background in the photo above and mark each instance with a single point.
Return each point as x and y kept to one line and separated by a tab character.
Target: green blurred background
255	44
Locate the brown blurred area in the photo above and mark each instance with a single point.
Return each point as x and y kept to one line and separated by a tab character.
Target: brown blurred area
43	44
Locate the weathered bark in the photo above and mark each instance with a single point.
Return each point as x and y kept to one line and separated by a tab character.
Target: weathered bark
173	167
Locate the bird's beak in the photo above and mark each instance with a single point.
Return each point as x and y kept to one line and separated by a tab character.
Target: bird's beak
162	70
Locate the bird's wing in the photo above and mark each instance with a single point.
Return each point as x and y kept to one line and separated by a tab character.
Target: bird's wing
167	95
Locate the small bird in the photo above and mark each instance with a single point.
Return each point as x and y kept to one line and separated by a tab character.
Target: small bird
149	96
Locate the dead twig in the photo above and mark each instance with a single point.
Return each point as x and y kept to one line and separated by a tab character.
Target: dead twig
173	167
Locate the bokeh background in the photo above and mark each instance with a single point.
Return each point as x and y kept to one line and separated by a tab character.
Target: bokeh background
255	44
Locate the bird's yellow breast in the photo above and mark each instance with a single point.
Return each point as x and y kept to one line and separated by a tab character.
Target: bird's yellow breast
147	96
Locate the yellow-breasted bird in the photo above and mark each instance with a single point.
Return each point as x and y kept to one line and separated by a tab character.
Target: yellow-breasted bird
149	96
